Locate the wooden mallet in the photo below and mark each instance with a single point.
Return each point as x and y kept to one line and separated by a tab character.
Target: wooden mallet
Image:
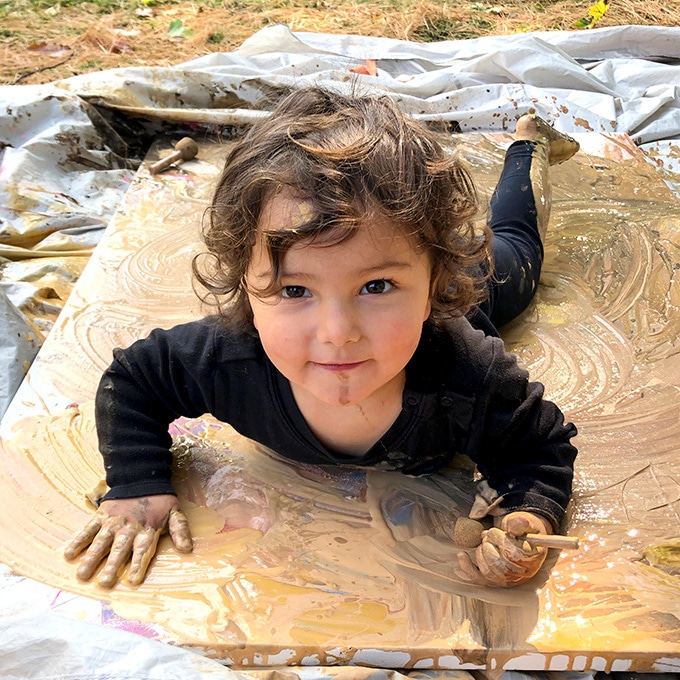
185	150
467	533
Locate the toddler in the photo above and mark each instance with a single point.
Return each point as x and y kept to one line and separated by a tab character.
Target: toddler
357	318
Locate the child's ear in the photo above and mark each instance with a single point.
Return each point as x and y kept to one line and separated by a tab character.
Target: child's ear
427	309
248	307
433	289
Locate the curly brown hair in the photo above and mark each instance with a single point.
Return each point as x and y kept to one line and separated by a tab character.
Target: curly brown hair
351	158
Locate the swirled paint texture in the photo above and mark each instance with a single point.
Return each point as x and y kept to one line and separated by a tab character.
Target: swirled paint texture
302	565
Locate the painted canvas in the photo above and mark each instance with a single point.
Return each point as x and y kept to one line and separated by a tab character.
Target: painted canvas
302	565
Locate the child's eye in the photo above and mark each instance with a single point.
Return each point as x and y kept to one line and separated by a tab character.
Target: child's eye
294	292
377	287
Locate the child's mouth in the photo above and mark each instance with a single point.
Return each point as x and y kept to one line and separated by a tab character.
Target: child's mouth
340	367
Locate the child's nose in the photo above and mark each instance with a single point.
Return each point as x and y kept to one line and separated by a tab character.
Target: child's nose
337	325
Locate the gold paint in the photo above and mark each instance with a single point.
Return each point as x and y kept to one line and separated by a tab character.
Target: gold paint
665	557
353	618
331	562
301	212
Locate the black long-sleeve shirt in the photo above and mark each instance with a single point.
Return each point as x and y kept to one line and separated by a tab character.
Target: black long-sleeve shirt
464	394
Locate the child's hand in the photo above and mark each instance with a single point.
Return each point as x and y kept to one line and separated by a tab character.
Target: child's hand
503	558
128	529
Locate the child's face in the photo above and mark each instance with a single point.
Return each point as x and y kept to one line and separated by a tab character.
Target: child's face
348	317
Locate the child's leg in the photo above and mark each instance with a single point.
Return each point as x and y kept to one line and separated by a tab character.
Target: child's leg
518	216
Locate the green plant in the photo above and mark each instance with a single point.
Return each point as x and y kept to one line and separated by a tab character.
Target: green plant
481	25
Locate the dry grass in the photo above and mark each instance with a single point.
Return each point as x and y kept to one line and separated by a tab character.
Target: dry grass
107	34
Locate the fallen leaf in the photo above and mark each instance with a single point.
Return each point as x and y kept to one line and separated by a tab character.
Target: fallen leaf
176	29
49	49
144	12
113	47
370	68
119	48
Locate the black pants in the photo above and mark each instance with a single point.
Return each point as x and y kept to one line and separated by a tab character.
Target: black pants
517	246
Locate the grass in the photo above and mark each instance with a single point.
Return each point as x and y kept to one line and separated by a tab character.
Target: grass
434	29
101	34
215	38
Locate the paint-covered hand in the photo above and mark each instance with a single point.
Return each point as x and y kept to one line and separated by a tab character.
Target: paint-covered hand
503	558
127	530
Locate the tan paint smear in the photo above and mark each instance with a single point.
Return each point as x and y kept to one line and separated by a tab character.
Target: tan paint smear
293	563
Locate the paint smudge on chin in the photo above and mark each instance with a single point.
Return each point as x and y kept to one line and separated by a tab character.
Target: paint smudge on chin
343	396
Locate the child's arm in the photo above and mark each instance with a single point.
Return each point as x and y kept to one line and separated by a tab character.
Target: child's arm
146	387
128	530
521	445
520	441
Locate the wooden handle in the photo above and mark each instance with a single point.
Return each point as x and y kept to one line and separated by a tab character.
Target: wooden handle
552	541
185	150
468	534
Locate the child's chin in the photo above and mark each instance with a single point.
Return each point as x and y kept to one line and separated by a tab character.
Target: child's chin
339	399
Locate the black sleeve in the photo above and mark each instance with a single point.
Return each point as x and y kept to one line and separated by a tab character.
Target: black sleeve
520	441
148	385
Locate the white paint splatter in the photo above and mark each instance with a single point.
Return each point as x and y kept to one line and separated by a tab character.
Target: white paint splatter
282	658
381	659
526	662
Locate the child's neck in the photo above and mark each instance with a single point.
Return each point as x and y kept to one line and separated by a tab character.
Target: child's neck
353	429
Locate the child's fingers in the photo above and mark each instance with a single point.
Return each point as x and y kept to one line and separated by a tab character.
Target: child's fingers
128	530
466	570
82	539
517	524
98	549
503	561
143	551
494	565
514	550
178	526
118	557
521	523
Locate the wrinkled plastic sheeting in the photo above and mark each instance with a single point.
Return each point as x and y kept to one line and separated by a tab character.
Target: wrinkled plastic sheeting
55	648
19	343
623	79
60	182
